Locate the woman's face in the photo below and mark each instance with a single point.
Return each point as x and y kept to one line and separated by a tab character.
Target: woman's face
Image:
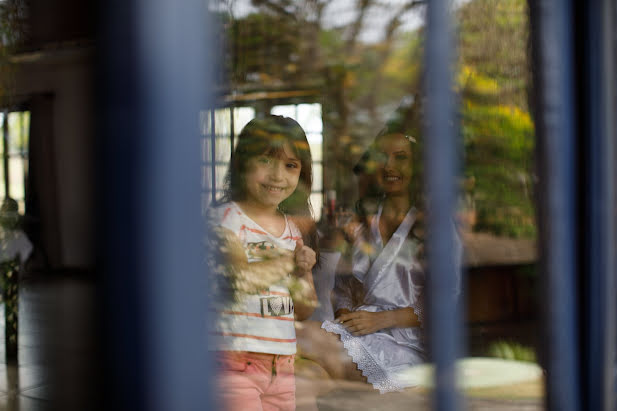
394	171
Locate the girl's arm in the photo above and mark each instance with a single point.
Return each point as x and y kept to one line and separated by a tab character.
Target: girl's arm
303	291
305	297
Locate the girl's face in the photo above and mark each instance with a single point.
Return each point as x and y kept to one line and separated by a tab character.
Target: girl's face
270	179
394	170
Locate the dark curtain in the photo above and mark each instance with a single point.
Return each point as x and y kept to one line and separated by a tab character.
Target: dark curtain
41	223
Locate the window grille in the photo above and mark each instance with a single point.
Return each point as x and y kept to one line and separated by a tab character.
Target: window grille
220	129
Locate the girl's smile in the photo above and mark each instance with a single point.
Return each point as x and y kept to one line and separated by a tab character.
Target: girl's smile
271	178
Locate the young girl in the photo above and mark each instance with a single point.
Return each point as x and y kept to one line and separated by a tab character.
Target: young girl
267	232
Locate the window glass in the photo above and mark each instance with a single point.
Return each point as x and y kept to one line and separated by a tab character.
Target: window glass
17	162
350	75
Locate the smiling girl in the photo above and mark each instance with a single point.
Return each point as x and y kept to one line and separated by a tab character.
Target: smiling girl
266	221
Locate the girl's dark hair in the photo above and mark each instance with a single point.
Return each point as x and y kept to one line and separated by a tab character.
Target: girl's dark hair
268	135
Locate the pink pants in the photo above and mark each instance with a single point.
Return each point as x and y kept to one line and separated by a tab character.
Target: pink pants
250	381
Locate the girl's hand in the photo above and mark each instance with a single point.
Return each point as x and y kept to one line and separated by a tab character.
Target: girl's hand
363	322
304	256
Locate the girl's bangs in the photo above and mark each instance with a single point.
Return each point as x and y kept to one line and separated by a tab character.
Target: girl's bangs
271	143
275	151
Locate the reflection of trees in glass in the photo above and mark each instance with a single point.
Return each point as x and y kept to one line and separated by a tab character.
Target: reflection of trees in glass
496	125
12	33
286	45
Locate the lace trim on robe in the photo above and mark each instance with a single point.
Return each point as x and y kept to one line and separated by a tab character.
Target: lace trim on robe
374	374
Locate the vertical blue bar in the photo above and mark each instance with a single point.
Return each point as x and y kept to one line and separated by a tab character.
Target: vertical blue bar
213	152
172	55
441	164
598	95
553	44
232	130
153	82
119	140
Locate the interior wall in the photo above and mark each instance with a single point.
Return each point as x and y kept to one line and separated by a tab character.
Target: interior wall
69	80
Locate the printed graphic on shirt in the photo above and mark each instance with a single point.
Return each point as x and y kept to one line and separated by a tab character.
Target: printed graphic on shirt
260	249
276	306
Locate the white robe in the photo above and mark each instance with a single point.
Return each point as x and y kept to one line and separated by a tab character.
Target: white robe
390	277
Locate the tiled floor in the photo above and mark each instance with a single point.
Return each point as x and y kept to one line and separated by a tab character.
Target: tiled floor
323	395
25	386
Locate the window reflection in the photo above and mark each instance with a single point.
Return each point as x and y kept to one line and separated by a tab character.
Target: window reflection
350	74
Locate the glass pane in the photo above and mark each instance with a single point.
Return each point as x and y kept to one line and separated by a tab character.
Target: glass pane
317	203
19	123
221	173
242	115
315	141
309	117
223	149
496	210
16	176
205	123
222	122
363	62
286	111
206	182
204	149
317	177
206	146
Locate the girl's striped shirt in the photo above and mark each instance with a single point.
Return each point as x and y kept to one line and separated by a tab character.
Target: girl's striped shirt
263	322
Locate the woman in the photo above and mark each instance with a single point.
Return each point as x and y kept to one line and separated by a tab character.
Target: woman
379	305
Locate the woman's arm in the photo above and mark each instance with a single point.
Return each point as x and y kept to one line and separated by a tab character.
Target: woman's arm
366	322
401	318
345	287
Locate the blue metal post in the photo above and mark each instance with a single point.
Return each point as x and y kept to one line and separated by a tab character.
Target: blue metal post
598	140
441	165
553	44
154	81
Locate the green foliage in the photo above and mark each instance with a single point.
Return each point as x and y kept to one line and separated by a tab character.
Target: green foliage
12	34
497	129
364	83
509	350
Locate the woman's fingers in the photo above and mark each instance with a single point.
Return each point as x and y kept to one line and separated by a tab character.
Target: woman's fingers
350	318
346	317
360	331
356	325
358	322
